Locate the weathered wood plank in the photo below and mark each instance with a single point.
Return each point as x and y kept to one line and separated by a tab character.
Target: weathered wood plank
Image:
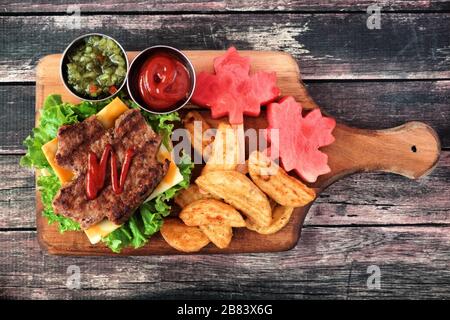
327	263
376	198
360	104
367	198
327	46
17	116
218	5
377	105
17	194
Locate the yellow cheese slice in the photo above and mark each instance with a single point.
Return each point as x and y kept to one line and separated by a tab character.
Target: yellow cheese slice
49	150
173	176
100	230
109	114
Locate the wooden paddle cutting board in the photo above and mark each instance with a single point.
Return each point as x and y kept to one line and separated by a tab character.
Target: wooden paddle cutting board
411	150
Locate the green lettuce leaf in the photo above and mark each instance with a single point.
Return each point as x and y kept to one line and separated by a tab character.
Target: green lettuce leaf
48	186
163	124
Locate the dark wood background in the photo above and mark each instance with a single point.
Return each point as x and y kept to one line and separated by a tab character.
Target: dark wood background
365	78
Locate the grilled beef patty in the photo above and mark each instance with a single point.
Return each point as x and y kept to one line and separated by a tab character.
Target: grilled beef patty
145	173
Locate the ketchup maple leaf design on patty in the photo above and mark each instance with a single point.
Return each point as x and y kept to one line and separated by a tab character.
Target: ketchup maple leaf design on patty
232	90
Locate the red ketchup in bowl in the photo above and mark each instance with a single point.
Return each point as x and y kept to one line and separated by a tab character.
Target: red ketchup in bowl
163	81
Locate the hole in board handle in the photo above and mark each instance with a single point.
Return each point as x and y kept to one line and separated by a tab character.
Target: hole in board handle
414	149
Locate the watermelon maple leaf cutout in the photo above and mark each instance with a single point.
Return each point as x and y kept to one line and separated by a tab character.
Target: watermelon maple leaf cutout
232	90
299	138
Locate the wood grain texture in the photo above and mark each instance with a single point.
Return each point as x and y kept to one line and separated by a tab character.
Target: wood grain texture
17	194
327	263
374	198
17	117
354	150
377	105
219	5
328	46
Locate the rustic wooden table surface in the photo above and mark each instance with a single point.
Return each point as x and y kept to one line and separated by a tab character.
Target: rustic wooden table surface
366	78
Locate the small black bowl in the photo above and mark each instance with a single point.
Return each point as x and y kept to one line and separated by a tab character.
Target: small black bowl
139	60
65	59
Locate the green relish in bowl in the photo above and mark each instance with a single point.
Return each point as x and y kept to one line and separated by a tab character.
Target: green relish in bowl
96	67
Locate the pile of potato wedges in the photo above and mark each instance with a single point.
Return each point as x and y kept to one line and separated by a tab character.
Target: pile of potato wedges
231	192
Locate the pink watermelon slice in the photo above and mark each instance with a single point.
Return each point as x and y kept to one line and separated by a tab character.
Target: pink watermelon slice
232	91
299	138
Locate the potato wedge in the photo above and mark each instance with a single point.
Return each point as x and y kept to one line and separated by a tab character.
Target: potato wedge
276	183
182	237
191	194
280	219
240	192
220	235
211	211
200	140
226	153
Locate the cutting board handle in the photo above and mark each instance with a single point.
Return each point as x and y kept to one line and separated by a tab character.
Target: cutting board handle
411	150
